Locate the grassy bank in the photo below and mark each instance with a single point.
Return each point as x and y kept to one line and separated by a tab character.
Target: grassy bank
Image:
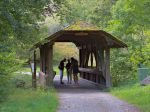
134	94
27	100
30	101
28	69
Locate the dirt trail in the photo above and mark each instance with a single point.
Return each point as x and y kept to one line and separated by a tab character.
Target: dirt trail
87	97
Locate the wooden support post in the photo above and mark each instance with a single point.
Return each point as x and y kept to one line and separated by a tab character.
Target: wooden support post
91	50
87	58
49	65
102	63
80	57
34	73
84	57
97	64
101	59
96	58
107	64
91	59
41	59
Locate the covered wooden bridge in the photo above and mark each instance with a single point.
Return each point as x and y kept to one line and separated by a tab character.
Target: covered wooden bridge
91	42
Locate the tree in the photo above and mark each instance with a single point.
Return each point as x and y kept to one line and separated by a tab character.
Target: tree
130	22
19	27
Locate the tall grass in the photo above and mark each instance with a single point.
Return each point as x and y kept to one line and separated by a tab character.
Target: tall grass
30	101
27	100
134	94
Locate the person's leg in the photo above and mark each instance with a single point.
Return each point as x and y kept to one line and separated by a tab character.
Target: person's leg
77	78
60	76
74	78
68	76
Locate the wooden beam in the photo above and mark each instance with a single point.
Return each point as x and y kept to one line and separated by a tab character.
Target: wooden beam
41	59
91	59
80	57
97	63
83	57
89	70
102	63
81	60
34	73
87	58
92	47
49	64
96	57
108	77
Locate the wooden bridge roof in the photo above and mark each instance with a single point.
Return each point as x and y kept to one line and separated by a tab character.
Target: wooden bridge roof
83	33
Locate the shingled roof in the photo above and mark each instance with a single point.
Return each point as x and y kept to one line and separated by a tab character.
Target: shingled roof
81	32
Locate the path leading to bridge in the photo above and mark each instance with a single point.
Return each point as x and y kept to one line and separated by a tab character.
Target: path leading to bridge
87	97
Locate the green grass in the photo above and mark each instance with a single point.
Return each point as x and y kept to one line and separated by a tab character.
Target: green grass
134	94
28	69
30	101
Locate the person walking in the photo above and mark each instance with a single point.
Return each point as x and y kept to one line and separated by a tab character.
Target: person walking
75	69
69	72
61	69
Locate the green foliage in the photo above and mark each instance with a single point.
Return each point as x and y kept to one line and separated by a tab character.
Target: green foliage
102	13
128	20
19	27
134	94
64	50
22	24
121	67
7	65
94	11
74	10
142	55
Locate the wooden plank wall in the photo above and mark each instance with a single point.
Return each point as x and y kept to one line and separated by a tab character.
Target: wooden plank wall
102	58
46	65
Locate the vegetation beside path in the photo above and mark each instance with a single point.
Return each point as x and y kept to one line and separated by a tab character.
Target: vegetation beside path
27	100
134	94
30	101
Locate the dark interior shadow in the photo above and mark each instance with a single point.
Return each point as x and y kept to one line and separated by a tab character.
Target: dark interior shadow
84	86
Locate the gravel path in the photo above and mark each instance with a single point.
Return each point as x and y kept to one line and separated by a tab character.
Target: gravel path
87	97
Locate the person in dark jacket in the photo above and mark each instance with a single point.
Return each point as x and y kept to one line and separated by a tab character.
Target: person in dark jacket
61	69
69	71
75	69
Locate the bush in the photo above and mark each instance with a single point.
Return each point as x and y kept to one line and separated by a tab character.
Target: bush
7	66
121	68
